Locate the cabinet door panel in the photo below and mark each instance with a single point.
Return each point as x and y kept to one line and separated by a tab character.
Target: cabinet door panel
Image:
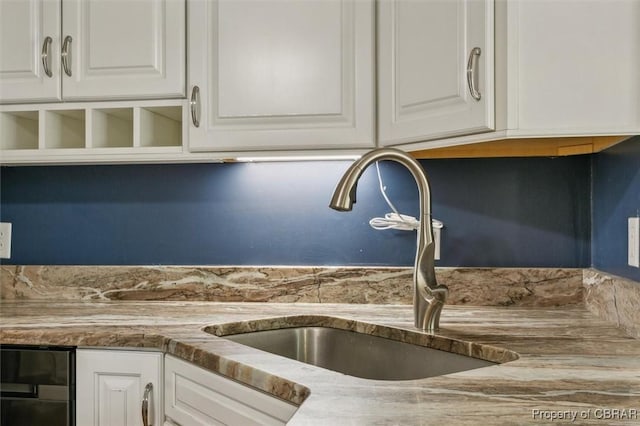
578	78
282	74
24	26
110	386
424	48
422	81
273	57
123	49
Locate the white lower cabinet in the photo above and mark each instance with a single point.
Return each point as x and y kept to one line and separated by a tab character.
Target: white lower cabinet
111	386
194	396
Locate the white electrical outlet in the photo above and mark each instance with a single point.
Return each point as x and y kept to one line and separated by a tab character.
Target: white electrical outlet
5	240
634	241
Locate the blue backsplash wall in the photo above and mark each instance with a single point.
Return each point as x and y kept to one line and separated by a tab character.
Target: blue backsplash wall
616	197
497	212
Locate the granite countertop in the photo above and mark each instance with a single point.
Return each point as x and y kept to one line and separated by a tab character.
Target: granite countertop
570	362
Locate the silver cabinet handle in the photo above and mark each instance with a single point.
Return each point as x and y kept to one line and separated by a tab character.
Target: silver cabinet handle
472	75
66	55
195	106
145	404
46	50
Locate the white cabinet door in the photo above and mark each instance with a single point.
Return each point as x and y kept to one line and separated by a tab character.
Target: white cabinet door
425	50
573	67
282	74
124	49
29	28
197	397
110	386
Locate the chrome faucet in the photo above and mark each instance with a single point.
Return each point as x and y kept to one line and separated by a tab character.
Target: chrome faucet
429	296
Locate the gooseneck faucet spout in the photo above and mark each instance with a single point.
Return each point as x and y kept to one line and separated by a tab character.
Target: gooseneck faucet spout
429	297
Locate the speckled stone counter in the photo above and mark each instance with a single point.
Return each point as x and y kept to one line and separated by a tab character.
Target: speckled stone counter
569	360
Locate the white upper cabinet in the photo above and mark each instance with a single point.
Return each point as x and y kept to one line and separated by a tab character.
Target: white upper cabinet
281	74
123	49
572	67
563	68
103	50
435	69
29	46
286	77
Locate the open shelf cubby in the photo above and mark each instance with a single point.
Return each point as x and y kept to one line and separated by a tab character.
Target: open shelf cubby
93	132
112	128
65	129
161	126
19	130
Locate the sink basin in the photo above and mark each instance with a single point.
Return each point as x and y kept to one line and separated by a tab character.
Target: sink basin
365	355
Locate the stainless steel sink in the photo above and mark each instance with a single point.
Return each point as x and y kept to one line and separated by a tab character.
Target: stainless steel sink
358	354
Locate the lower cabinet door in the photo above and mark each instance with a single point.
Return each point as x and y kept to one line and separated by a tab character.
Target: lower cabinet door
195	396
113	386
